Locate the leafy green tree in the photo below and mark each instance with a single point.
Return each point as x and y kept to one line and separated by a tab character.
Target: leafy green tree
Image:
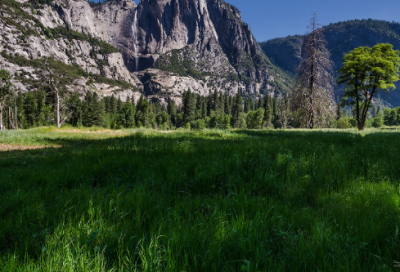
227	122
254	119
378	120
163	119
367	71
344	123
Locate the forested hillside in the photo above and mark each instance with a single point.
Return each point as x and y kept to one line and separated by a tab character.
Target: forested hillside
341	38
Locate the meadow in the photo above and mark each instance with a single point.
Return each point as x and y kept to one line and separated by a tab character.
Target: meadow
239	200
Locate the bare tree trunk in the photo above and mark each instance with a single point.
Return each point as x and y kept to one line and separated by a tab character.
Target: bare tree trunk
9	117
1	117
16	116
58	110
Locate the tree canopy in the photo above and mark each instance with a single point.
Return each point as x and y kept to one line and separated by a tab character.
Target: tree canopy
367	71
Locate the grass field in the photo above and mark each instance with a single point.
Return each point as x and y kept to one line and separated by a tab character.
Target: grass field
141	200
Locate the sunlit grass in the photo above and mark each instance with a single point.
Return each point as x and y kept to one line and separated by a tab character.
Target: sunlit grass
142	200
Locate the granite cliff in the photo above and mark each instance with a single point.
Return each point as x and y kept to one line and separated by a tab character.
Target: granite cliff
160	47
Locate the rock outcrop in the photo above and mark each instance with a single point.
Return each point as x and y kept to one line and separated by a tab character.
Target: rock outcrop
164	46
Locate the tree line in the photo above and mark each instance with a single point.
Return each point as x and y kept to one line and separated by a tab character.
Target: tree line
22	110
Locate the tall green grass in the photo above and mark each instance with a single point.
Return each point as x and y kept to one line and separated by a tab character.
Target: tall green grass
200	201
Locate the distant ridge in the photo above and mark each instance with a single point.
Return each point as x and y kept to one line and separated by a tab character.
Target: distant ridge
342	37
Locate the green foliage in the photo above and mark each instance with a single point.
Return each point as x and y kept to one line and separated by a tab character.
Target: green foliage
126	117
93	111
177	62
378	120
63	32
66	73
199	201
392	117
366	71
254	119
343	123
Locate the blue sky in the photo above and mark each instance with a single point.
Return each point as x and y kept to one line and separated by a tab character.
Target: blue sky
278	18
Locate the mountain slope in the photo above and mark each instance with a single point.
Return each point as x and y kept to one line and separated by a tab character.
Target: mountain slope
32	32
341	38
162	47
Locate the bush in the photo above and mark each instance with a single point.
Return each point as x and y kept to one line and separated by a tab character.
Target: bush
344	123
198	124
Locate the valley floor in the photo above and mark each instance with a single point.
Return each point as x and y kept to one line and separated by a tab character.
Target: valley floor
240	200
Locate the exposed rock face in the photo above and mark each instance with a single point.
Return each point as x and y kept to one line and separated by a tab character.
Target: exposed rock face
213	30
76	52
164	45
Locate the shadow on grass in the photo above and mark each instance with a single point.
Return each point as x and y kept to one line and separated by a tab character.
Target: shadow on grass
159	183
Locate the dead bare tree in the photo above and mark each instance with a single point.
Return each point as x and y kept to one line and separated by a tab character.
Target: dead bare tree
313	102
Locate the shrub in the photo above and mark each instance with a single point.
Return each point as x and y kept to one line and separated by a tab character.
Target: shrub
344	123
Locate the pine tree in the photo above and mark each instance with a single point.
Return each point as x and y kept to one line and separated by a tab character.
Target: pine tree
142	113
237	109
199	107
98	107
20	110
210	105
107	104
41	108
126	117
226	105
76	117
274	110
260	102
204	107
339	112
189	107
113	105
267	110
221	104
172	111
119	105
30	109
215	101
88	114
